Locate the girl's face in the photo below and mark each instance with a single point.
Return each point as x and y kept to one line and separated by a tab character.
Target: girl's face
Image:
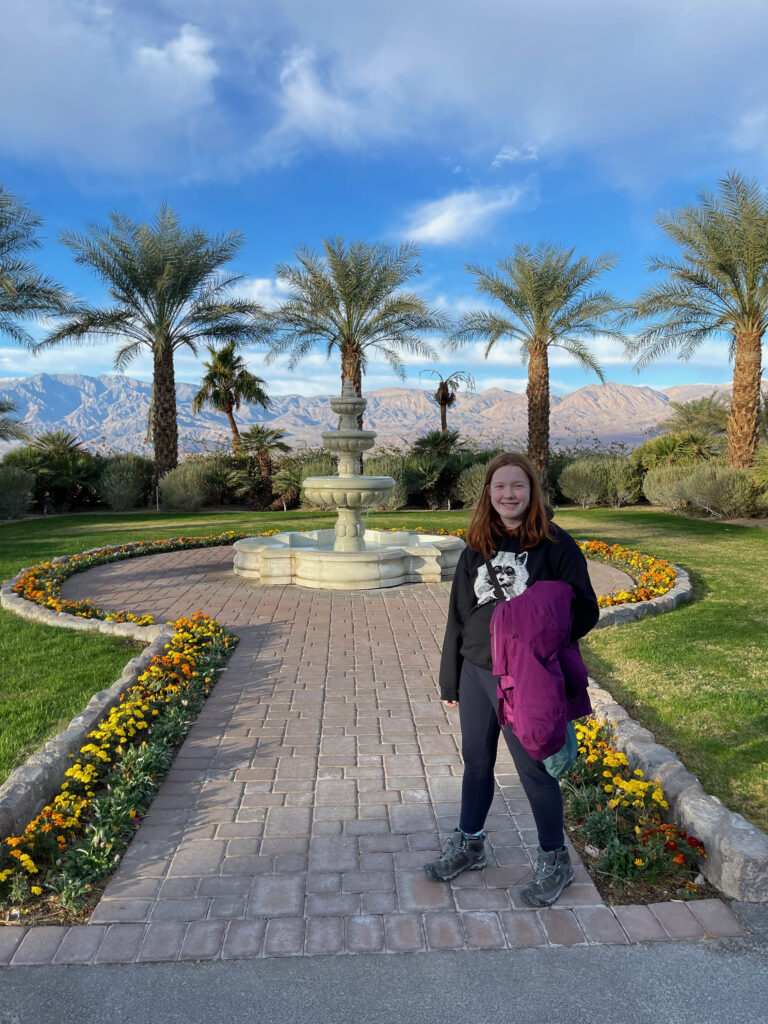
510	494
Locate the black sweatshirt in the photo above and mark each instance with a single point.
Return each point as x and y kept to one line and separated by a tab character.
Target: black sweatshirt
473	598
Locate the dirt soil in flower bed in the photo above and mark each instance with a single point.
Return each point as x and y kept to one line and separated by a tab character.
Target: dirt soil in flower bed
623	891
50	911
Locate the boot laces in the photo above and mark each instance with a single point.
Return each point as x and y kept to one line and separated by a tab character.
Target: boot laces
544	867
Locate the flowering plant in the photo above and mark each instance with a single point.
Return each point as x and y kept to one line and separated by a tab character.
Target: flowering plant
617	812
80	835
42	582
653	576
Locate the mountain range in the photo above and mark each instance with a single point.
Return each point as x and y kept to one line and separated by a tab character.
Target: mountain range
110	412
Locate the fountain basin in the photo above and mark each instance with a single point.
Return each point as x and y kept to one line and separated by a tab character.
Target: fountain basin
347	491
388	559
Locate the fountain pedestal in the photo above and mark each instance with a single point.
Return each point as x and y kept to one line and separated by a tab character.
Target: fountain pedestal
348	557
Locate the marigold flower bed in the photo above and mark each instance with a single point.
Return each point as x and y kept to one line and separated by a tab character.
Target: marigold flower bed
76	841
42	582
653	576
614	818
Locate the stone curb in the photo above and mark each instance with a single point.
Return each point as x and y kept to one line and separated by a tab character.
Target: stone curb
29	788
240	939
620	613
737	851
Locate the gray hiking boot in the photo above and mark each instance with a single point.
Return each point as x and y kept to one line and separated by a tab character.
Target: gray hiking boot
460	853
553	872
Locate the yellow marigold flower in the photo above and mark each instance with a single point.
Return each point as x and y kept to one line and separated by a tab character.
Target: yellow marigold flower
639	862
35	890
608	789
639	773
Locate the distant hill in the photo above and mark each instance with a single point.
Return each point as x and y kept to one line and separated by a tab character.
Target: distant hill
110	412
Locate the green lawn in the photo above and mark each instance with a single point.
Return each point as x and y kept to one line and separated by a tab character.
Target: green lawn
696	677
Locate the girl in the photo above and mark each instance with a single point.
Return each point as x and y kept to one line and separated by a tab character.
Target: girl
512	529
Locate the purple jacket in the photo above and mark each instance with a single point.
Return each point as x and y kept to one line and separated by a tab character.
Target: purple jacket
543	679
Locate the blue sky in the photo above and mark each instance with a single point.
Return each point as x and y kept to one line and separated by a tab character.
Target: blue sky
467	128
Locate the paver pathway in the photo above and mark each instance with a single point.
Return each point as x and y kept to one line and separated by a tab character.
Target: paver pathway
311	789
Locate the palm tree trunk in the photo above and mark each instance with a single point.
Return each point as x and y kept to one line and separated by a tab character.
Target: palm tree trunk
235	431
164	426
350	370
538	407
743	423
265	465
443	417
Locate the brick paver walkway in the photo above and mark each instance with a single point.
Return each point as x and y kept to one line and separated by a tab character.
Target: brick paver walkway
313	786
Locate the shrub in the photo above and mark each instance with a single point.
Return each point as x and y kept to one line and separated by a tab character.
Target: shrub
228	477
760	468
583	481
681	449
563	455
389	465
470	484
125	481
16	487
661	486
720	490
65	472
185	488
622	481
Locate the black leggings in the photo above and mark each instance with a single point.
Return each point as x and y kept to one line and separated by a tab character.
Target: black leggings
480	730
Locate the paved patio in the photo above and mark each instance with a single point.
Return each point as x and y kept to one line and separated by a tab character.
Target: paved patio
311	789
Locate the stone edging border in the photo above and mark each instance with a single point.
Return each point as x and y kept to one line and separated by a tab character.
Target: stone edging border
737	851
31	786
619	613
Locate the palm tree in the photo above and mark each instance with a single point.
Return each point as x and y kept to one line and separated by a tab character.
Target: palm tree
708	415
440	444
547	306
11	429
264	443
63	468
348	299
226	384
24	292
167	293
445	395
718	285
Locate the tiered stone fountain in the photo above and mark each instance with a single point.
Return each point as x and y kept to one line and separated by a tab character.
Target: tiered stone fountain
349	557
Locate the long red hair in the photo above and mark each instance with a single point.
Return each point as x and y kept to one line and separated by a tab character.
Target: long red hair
487	530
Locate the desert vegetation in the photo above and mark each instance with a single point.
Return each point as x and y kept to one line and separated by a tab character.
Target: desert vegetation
168	289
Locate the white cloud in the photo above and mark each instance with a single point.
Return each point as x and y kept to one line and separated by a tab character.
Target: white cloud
515	155
461	215
95	89
269	291
182	66
515	384
310	108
